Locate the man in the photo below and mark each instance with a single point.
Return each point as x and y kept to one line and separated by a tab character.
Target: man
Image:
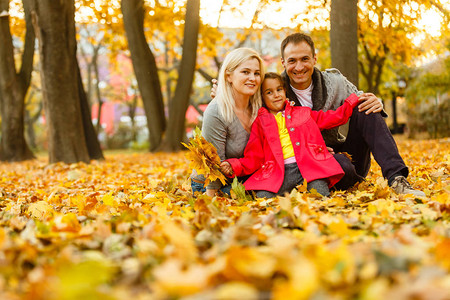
367	132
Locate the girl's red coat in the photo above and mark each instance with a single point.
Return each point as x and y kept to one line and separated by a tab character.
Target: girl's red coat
263	155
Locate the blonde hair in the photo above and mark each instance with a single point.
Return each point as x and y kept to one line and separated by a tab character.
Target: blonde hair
224	94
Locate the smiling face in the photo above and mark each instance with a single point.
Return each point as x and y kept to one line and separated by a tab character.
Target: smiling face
299	63
246	78
274	95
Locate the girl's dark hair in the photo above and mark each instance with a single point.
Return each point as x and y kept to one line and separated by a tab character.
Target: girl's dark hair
273	75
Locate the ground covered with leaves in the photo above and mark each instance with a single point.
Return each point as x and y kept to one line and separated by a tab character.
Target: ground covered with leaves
129	227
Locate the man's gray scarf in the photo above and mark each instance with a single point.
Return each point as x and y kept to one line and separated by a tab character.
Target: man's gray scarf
319	92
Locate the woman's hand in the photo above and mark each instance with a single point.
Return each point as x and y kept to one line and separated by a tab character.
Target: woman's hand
213	88
370	103
211	192
226	168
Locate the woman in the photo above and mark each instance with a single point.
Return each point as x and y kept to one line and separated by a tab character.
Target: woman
228	118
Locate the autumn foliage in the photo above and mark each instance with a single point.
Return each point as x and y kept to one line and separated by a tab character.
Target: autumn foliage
204	158
128	227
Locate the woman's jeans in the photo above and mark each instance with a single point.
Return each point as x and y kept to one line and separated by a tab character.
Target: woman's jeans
200	187
197	186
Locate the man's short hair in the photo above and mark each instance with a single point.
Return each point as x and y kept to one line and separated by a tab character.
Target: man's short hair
295	39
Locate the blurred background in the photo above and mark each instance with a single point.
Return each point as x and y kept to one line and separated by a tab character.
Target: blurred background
142	69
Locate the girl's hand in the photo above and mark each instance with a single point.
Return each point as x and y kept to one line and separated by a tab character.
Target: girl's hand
291	103
370	103
226	168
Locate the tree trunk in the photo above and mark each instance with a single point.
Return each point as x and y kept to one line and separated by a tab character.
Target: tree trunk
88	88
394	113
132	113
92	143
145	69
97	88
94	149
13	88
167	71
344	38
29	124
55	28
177	110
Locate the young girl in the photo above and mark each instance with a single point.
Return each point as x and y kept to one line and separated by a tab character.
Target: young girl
286	146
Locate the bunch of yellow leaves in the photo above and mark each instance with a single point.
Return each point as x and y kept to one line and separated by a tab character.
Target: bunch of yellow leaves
204	158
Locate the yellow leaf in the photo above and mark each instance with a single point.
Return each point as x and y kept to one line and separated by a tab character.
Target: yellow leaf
182	240
83	280
302	281
236	291
108	199
40	210
303	187
2	237
70	223
176	280
249	262
340	228
443	253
